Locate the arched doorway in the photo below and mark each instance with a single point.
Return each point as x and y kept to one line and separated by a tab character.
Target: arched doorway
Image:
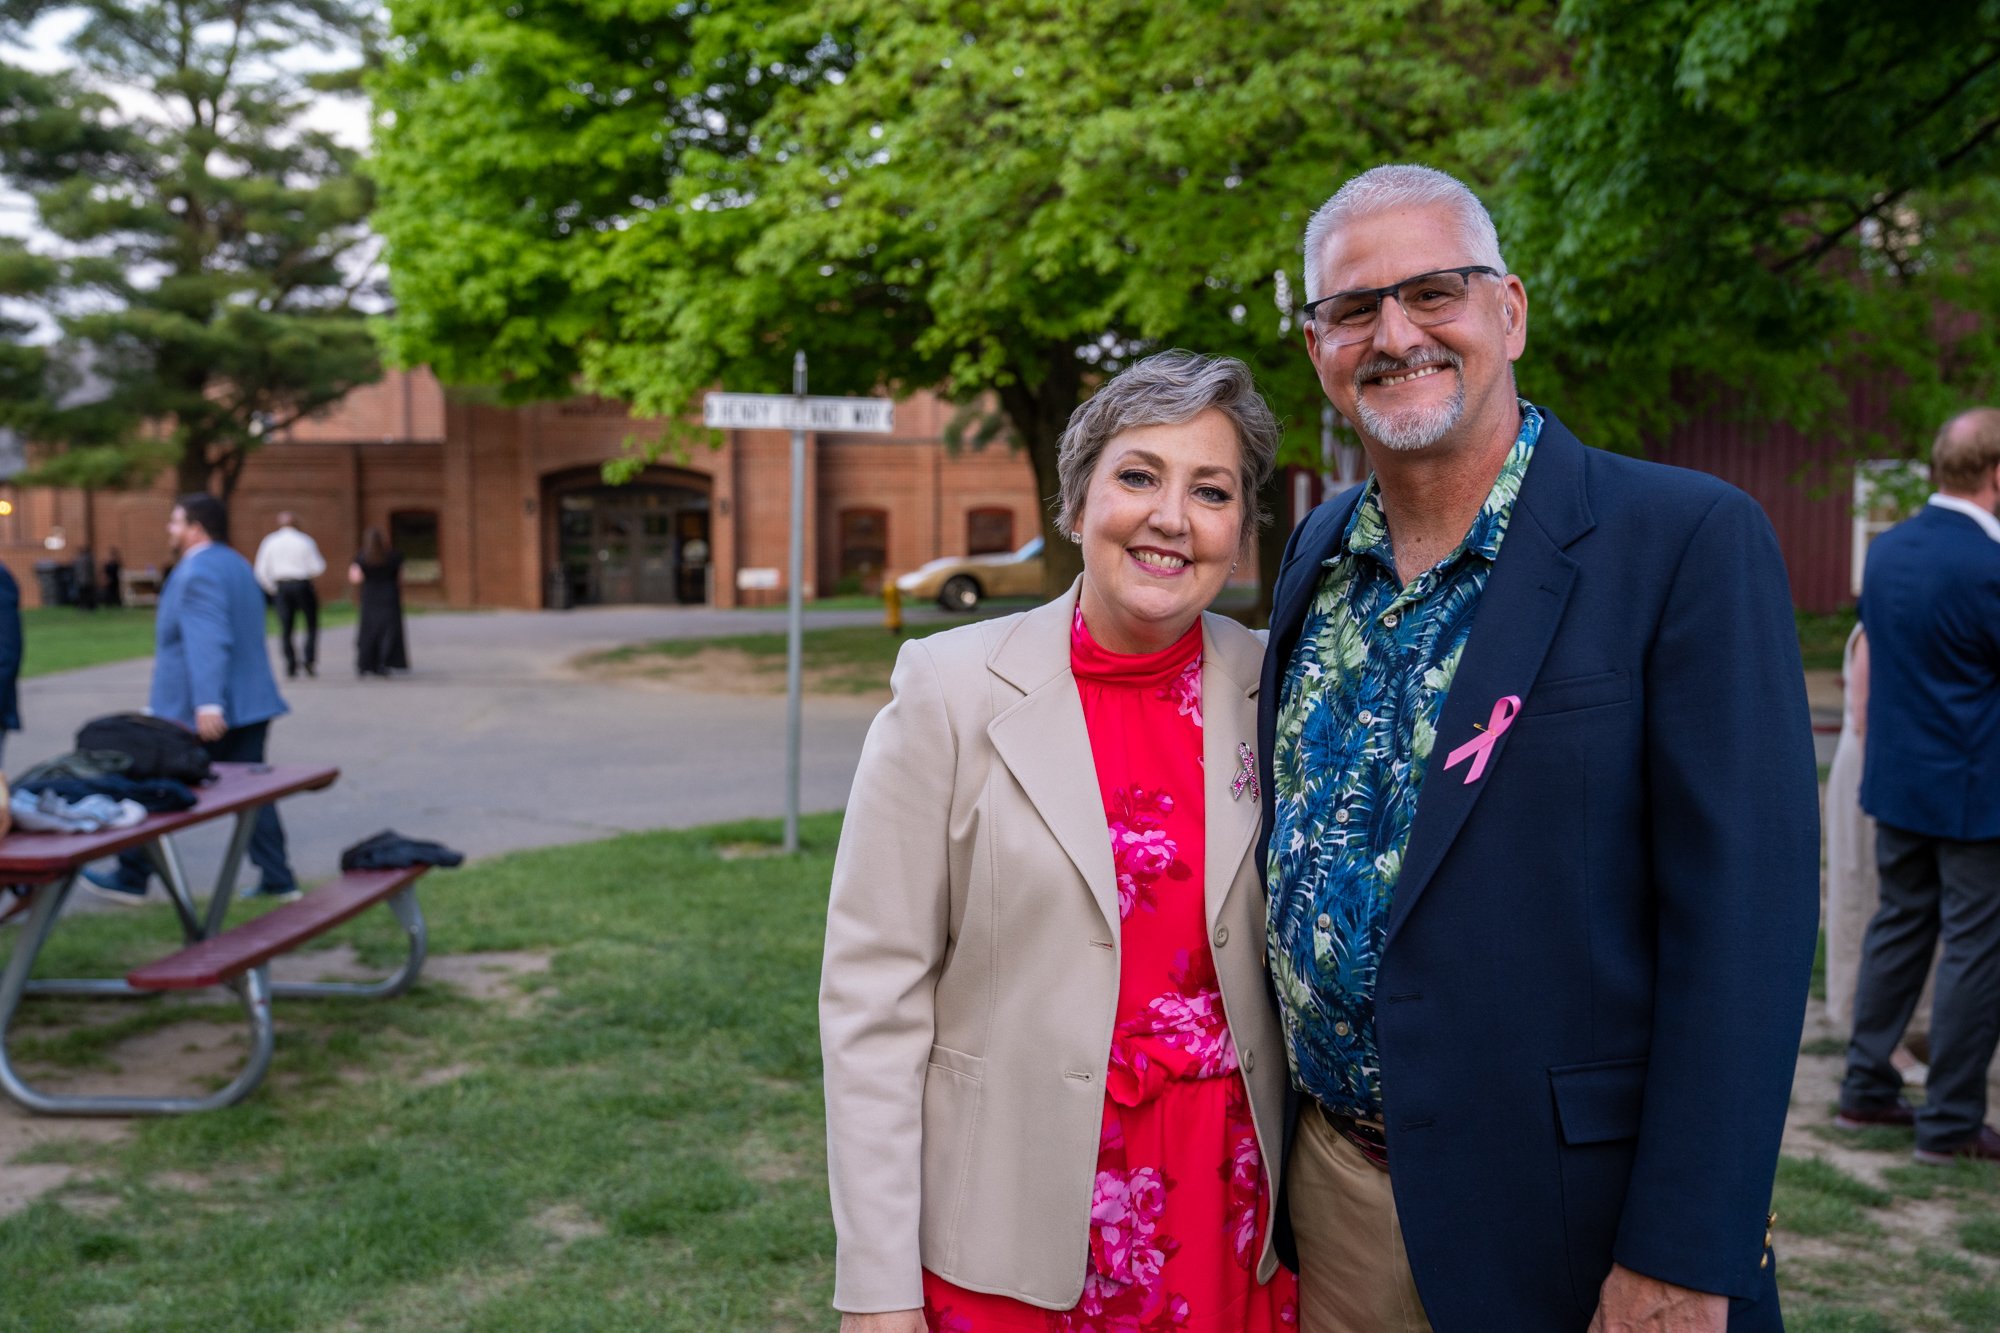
646	541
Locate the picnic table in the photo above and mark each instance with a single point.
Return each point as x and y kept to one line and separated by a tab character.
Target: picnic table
238	958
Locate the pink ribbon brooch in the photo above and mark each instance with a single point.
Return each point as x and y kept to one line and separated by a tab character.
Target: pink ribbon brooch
1246	774
1480	747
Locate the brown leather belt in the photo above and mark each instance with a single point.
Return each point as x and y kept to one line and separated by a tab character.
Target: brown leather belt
1367	1136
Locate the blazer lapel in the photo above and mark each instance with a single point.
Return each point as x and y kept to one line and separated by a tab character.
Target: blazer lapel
1229	674
1519	613
1043	742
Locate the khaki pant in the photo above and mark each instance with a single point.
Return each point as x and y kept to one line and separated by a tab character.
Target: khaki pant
1354	1276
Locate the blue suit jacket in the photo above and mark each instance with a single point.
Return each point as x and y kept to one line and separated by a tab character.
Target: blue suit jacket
1930	602
209	642
1590	998
10	651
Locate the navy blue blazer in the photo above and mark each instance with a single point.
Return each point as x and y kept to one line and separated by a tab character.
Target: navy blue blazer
1930	601
208	642
1590	999
10	652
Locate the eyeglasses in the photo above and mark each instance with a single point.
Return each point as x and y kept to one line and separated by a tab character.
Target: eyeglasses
1428	299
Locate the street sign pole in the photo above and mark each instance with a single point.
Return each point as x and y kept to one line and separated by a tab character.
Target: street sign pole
795	617
798	413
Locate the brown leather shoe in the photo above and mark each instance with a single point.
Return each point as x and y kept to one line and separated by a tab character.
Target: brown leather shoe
1981	1147
1900	1114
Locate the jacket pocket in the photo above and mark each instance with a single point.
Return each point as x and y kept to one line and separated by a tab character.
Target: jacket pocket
958	1062
952	1097
1600	1102
1598	1107
1576	693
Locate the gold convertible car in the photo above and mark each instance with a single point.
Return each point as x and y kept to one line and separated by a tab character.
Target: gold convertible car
960	582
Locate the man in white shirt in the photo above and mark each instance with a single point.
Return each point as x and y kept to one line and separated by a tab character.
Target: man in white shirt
287	563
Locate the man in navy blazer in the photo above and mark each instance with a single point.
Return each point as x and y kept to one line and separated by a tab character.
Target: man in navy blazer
1541	821
212	674
1930	601
10	654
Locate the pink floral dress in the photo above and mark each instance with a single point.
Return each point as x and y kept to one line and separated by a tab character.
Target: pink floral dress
1179	1204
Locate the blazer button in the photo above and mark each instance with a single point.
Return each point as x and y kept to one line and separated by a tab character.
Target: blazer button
1249	1062
1221	936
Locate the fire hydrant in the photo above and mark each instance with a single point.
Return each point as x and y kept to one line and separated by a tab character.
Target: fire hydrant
892	607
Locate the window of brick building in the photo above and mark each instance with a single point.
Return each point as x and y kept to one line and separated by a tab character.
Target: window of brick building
864	549
989	531
414	533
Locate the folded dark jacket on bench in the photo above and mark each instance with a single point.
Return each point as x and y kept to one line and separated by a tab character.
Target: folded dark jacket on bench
156	794
390	850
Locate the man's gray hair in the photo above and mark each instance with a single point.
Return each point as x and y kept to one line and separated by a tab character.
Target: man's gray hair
1400	185
1164	390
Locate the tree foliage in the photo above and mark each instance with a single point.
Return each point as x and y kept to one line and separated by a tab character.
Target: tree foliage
1761	205
201	248
1012	198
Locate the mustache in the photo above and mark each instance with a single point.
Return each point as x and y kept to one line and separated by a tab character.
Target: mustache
1417	360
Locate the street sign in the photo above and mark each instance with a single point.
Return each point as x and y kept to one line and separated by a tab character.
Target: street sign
784	411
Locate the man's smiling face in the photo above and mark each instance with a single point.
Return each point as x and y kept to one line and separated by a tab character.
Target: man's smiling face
1403	387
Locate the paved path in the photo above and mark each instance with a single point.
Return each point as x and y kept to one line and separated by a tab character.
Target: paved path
490	744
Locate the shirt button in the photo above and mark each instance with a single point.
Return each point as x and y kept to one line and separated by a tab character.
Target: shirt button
1325	921
1340	1029
1221	936
1390	620
1340	816
1365	718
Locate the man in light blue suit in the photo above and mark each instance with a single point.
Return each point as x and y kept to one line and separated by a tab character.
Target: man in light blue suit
211	673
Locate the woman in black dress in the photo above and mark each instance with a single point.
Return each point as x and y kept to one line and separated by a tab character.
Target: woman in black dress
378	575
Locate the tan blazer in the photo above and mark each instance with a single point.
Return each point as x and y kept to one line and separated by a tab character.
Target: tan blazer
971	975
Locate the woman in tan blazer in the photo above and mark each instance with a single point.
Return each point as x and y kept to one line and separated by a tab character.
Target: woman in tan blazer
1054	1081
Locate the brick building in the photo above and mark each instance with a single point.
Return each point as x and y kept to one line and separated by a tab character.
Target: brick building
506	506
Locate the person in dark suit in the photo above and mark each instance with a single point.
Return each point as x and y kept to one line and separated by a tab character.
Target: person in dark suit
1542	831
10	654
1930	605
212	674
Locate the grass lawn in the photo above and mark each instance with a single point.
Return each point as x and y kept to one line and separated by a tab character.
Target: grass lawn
636	1145
1823	638
63	638
636	1141
853	659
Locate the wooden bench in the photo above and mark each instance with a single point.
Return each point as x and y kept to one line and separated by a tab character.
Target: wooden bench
241	958
250	946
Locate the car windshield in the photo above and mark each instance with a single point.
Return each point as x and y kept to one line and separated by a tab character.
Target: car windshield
1030	551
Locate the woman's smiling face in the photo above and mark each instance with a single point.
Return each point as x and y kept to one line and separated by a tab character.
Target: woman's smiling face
1162	526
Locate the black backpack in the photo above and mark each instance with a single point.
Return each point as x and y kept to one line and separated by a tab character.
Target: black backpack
157	748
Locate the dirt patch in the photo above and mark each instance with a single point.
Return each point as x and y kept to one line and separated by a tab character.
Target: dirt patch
721	671
747	851
339	963
566	1223
489	976
191	1058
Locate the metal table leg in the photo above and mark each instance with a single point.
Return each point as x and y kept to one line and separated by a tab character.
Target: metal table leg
404	904
254	990
225	878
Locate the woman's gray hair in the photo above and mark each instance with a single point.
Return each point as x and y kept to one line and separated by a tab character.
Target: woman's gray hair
1164	390
1401	185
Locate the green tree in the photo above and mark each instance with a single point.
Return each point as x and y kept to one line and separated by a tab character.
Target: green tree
1760	205
1011	198
202	249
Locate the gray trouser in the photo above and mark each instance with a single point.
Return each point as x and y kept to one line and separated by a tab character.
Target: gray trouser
1931	888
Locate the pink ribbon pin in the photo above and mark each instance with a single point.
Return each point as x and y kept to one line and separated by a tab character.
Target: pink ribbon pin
1246	773
1481	746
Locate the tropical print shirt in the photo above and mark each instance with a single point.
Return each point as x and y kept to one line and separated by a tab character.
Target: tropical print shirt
1357	717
